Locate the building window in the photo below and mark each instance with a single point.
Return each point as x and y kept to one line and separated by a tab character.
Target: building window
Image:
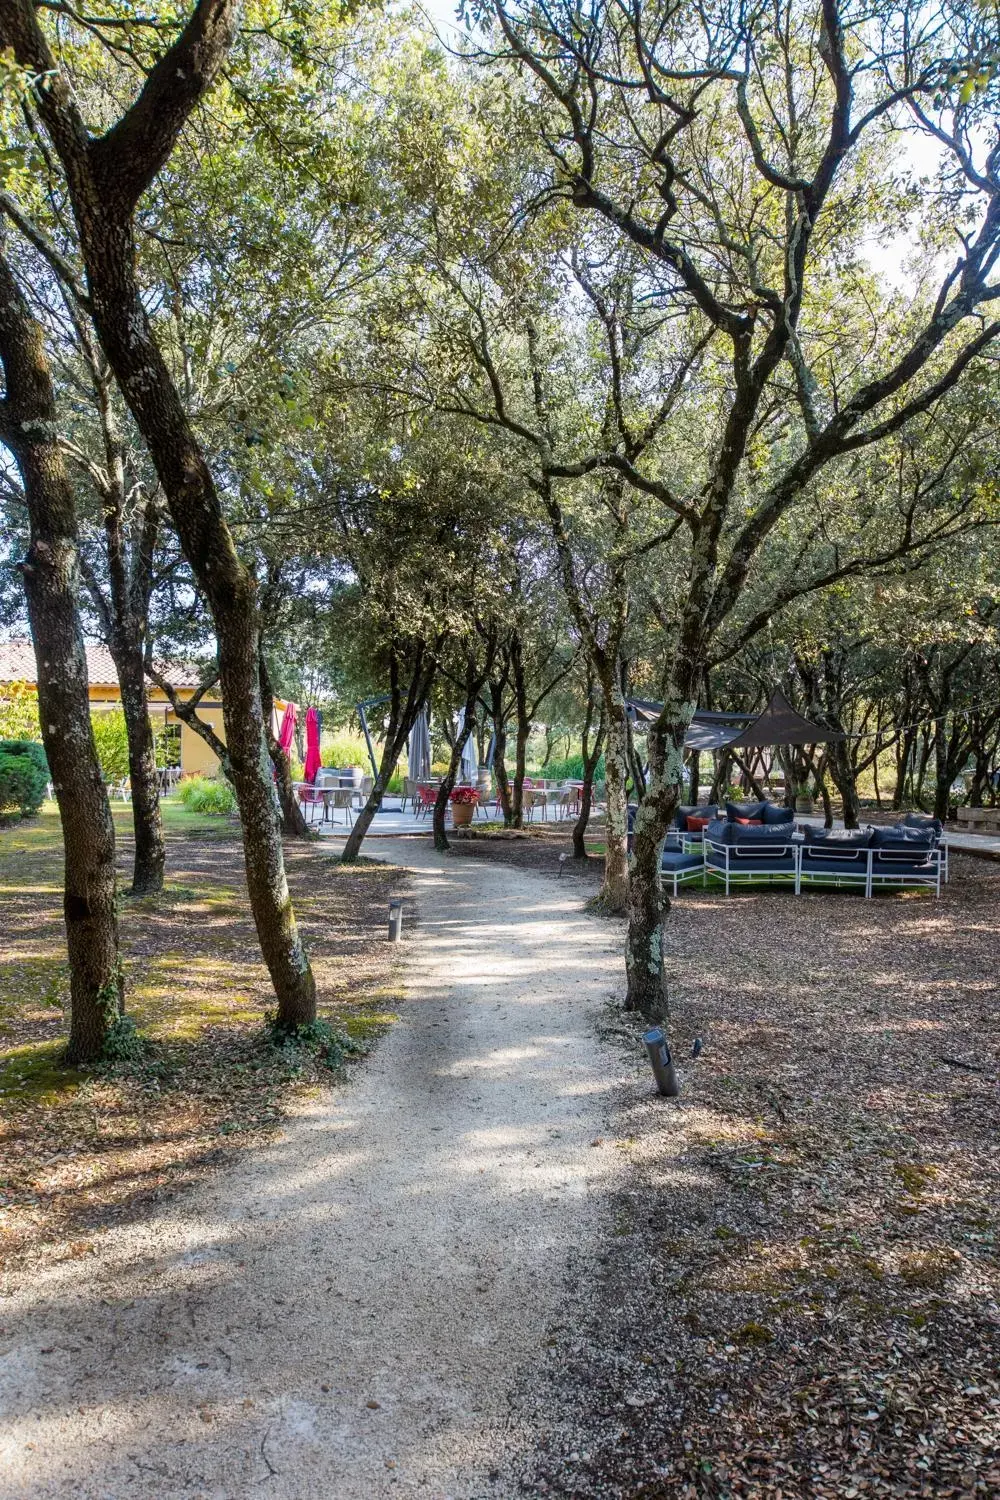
168	747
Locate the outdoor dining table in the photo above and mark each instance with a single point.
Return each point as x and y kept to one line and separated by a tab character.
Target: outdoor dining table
329	798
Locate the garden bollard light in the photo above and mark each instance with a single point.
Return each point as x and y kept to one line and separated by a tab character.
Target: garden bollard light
395	921
661	1061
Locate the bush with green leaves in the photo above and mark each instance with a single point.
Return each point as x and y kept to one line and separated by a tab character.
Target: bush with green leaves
111	739
344	750
202	794
19	712
570	769
24	775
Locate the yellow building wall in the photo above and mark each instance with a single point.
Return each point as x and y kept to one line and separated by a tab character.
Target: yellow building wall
197	758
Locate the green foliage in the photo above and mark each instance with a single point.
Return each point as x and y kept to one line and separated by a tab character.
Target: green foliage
124	1045
570	769
201	794
19	712
111	739
318	1039
345	750
24	773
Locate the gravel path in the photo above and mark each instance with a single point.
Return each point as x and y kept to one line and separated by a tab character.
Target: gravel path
345	1314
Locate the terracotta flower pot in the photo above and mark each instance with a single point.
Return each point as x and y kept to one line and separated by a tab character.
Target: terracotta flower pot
462	813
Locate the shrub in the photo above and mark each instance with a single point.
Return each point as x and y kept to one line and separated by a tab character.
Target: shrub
570	769
344	750
201	794
111	739
19	712
24	774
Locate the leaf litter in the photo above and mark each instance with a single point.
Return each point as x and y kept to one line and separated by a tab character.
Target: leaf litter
799	1290
83	1149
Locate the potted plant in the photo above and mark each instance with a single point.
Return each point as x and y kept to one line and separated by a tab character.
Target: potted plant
463	805
803	798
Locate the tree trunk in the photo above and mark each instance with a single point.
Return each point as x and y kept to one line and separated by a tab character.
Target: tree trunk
521	734
920	774
50	573
614	892
293	823
647	902
403	711
824	792
447	782
500	752
591	760
148	389
694	779
391	751
845	780
942	770
904	759
150	853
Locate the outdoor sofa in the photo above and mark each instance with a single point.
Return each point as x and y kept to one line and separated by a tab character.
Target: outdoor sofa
865	858
756	842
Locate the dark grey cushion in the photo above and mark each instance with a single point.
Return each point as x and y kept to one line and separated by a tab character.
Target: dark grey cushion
922	821
720	831
818	861
683	813
741	860
850	838
673	859
745	809
775	837
774	814
902	838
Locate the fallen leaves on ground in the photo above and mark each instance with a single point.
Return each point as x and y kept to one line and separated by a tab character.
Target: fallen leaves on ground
800	1294
80	1149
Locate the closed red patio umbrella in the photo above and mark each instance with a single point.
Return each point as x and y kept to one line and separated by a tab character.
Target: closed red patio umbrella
312	745
287	731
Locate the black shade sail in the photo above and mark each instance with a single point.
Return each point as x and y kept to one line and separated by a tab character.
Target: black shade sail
777	724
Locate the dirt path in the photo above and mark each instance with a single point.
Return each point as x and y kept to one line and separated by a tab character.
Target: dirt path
344	1315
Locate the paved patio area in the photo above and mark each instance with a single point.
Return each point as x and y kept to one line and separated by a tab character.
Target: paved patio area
392	821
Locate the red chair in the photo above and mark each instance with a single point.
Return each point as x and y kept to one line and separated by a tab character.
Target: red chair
428	797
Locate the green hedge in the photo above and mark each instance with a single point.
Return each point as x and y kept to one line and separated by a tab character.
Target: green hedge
199	794
24	775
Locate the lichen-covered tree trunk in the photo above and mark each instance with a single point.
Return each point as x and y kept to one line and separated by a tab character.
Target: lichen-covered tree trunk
146	385
106	177
614	891
647	903
147	824
50	572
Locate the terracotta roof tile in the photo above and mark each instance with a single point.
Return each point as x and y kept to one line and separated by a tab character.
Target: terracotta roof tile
17	664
